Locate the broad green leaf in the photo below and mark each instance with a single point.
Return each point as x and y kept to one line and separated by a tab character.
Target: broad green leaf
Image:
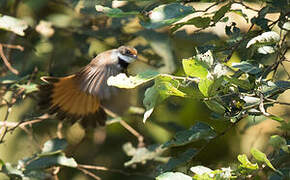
199	22
247	67
193	67
114	12
200	131
173	176
29	88
204	86
245	84
166	14
246	163
286	26
269	88
266	50
260	156
215	106
200	170
123	81
143	154
278	143
267	38
13	24
177	161
221	12
163	87
53	146
49	161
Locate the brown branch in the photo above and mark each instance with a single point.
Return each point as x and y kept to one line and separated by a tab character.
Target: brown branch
11	46
139	137
89	173
6	62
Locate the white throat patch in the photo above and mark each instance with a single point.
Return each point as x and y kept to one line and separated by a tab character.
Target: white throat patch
126	58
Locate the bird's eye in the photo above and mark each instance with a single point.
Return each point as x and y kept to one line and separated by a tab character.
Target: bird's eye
128	52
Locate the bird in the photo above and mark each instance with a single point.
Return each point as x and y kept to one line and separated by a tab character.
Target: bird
79	96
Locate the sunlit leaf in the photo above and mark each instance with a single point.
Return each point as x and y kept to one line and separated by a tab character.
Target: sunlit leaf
29	88
246	163
204	86
200	170
114	12
166	14
193	67
123	81
177	161
247	67
260	156
163	87
53	146
143	154
286	26
221	12
200	131
269	88
13	24
267	38
49	161
266	50
173	176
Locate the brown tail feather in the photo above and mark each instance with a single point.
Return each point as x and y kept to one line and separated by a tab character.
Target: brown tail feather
63	97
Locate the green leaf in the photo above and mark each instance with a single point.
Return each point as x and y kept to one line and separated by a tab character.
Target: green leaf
193	67
247	67
204	86
143	154
221	12
200	131
200	170
49	161
286	26
123	81
177	161
246	163
266	50
276	118
215	106
245	84
270	88
259	156
163	87
53	146
114	12
278	143
173	176
12	172
199	22
166	14
13	24
267	38
29	88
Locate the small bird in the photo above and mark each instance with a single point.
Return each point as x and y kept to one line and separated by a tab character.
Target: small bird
80	95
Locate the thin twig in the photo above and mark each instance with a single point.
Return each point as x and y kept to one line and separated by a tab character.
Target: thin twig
89	173
11	46
139	137
6	62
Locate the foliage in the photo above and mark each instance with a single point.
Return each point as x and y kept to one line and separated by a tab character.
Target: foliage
232	91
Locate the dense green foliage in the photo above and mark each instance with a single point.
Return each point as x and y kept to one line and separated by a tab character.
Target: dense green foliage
54	37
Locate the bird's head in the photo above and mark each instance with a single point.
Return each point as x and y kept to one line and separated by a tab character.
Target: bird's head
127	54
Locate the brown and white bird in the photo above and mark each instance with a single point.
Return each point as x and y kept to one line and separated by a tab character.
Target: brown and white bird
80	95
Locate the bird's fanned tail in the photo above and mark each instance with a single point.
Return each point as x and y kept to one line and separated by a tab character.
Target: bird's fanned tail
63	97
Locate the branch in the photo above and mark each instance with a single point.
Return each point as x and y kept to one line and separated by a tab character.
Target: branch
6	62
139	137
